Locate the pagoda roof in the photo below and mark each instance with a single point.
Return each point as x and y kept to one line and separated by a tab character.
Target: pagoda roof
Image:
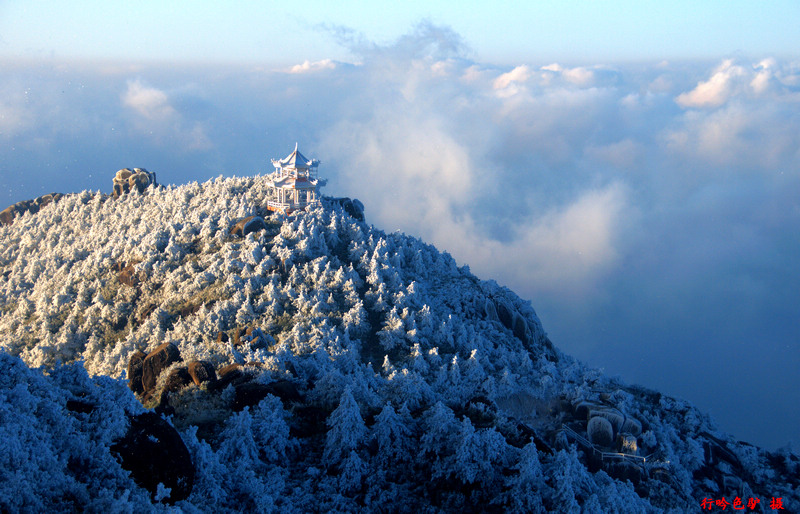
294	183
295	160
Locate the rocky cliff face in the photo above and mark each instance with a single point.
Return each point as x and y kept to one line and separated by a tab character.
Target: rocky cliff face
313	362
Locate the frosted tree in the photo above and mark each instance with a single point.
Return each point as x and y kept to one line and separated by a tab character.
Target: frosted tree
282	251
245	312
479	455
378	297
241	452
473	372
239	443
311	240
392	436
355	320
392	333
332	232
357	251
418	360
388	368
569	480
438	442
353	276
353	470
616	496
410	325
374	275
410	387
338	279
524	491
346	430
322	306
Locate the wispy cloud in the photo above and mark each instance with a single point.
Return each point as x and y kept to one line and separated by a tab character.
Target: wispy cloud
148	101
159	118
309	67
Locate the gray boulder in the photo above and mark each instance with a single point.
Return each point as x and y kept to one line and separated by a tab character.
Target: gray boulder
521	329
491	311
135	371
248	225
353	207
33	206
157	361
202	371
600	431
127	180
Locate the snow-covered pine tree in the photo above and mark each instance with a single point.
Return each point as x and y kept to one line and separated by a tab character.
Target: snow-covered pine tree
346	430
393	438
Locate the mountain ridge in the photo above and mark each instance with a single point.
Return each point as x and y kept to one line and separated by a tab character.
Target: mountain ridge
392	346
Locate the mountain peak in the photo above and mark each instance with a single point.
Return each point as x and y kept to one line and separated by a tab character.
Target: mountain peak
357	362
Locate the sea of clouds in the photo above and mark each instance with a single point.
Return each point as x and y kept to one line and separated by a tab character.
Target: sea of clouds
650	211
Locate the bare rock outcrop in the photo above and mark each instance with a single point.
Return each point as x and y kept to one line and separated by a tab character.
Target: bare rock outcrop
600	431
248	225
135	363
157	361
127	274
8	214
177	379
353	206
144	370
202	372
248	394
127	180
154	453
501	311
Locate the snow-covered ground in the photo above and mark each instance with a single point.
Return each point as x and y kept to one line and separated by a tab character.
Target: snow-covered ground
428	383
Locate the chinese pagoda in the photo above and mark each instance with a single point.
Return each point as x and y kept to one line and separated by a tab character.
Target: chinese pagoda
294	185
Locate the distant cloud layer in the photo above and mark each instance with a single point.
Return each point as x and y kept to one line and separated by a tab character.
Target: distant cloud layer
650	212
159	119
148	101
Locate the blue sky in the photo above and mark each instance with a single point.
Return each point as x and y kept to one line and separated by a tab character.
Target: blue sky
631	168
500	32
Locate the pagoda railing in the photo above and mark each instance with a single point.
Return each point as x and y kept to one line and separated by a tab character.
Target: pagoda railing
284	206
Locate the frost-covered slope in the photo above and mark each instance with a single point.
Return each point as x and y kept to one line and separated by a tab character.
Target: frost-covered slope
418	385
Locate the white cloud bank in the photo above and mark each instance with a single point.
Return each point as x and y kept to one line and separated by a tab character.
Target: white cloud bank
716	90
731	80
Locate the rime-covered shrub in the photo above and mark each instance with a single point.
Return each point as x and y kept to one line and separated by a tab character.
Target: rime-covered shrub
56	432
